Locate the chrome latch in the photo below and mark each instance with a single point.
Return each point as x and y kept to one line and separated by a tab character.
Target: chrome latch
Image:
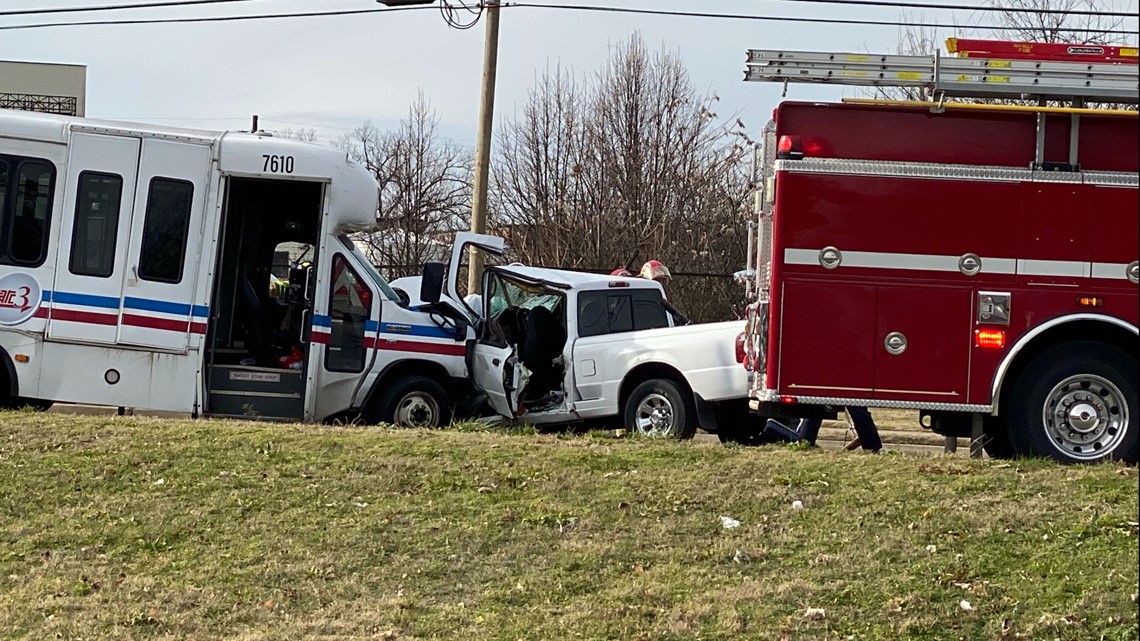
993	308
830	257
1134	272
970	264
895	343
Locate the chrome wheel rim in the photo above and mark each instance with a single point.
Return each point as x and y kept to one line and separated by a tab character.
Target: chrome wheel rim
654	416
417	409
1086	417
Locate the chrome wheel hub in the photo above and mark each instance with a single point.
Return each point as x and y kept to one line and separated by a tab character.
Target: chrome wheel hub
655	416
1085	416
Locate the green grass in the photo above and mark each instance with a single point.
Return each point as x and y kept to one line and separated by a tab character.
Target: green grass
134	528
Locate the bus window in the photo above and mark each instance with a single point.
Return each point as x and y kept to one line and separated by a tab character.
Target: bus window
163	251
25	210
96	224
349	306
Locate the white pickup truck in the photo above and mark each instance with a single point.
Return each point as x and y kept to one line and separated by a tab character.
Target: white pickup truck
555	346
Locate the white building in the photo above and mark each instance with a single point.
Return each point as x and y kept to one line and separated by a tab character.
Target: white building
47	87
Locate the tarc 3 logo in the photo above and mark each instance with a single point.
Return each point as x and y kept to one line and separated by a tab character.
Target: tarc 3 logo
20	297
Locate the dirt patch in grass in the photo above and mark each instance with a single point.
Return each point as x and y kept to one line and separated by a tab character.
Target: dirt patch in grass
136	528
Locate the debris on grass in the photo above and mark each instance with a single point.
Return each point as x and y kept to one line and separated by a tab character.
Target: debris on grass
815	614
728	522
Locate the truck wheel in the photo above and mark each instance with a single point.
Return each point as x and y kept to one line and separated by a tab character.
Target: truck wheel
1076	403
412	401
658	408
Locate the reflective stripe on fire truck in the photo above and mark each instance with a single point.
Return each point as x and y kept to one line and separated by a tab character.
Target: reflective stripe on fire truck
938	263
896	169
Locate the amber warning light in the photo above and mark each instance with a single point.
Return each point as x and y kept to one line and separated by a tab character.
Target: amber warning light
989	338
1090	301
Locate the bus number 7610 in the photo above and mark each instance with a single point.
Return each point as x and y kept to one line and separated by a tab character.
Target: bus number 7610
278	164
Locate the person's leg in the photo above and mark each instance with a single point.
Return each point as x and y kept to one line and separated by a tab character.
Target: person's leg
865	429
808	429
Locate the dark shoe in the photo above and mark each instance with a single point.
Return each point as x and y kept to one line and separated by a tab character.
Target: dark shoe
779	431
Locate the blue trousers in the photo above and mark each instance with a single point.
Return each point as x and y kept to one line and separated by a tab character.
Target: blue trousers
808	429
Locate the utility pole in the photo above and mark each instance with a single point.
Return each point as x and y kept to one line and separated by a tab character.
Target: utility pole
483	144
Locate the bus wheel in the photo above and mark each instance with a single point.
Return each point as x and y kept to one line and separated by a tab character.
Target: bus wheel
413	401
1076	403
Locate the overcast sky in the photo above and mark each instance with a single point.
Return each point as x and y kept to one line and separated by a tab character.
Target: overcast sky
333	73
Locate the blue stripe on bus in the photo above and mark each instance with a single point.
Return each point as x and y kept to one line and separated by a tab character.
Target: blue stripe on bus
130	302
163	307
87	300
322	321
425	331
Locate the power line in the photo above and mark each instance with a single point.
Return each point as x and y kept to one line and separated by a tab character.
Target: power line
742	16
115	7
475	9
562	7
259	16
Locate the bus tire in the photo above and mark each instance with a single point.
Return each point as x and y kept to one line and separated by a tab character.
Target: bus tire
1076	403
412	401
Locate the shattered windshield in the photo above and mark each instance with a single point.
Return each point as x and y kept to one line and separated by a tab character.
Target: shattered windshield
503	294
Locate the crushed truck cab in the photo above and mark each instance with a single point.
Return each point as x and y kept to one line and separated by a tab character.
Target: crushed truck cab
557	346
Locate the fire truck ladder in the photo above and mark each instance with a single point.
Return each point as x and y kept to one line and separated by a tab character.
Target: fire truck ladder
982	69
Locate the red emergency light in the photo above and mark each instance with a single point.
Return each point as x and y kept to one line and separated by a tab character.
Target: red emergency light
789	148
989	338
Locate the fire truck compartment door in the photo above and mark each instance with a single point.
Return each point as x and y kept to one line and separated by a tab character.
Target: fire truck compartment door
827	339
934	324
95	226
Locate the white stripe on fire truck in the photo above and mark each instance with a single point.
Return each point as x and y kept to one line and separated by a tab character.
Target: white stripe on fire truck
937	263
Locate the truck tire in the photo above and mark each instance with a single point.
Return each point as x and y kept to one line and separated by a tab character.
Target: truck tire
659	408
997	443
1076	403
412	401
735	423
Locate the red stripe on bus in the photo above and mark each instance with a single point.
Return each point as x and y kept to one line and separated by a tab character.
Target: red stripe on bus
422	348
156	323
72	316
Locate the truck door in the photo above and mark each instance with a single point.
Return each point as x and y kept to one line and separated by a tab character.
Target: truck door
95	227
163	254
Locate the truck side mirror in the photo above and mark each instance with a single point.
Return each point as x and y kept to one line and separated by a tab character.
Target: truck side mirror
431	284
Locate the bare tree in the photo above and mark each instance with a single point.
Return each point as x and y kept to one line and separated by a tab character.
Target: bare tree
304	135
627	164
425	189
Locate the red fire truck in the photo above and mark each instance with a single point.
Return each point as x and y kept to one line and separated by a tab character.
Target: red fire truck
971	260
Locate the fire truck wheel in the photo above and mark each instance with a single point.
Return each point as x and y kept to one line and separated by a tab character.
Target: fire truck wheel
1076	403
658	408
412	401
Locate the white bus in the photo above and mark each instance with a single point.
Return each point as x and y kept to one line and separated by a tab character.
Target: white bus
136	270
